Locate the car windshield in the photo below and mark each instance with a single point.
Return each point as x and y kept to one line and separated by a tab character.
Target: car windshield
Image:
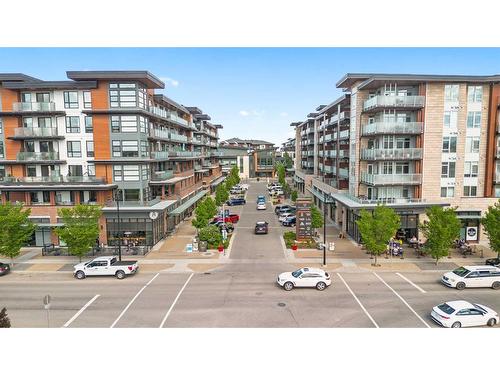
297	273
446	308
461	271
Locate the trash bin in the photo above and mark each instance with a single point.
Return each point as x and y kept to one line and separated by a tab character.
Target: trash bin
202	246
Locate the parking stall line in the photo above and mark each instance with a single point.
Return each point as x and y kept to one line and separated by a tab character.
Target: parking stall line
175	301
80	311
402	299
132	301
411	283
358	301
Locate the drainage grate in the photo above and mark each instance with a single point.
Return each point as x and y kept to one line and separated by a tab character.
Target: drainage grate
281	304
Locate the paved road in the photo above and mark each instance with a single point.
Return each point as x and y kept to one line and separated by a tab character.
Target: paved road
236	295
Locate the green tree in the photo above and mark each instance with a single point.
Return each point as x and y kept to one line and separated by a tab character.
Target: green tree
235	174
204	212
221	194
287	160
491	224
4	319
212	235
81	228
211	207
280	172
316	218
295	195
441	229
377	228
15	229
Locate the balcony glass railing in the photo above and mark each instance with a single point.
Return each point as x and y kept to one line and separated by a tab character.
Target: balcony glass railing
35	132
34	107
37	156
343	172
384	127
391	154
408	101
344	134
54	179
343	153
162	175
178	137
159	155
383	200
391	179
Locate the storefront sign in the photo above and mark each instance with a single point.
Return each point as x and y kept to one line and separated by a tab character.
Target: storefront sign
471	234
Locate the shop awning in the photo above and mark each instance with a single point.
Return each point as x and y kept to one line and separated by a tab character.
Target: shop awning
218	181
183	207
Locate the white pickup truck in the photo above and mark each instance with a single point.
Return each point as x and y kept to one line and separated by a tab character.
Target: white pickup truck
105	266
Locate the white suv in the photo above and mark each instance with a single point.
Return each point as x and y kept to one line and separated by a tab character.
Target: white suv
304	277
473	277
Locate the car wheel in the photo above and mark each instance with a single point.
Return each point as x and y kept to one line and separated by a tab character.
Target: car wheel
288	286
321	285
460	285
496	285
491	322
80	275
120	275
456	325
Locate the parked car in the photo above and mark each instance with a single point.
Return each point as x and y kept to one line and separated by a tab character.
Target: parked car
473	277
236	201
279	207
273	185
456	314
261	198
219	224
304	277
4	269
261	206
231	218
235	190
290	221
261	227
286	210
106	266
284	215
243	187
493	262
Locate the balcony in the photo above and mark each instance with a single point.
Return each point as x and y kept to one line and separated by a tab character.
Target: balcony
184	154
310	130
216	153
497	178
330	153
344	134
38	156
162	175
34	107
265	167
391	154
343	153
343	173
196	141
330	169
391	179
402	102
30	133
159	155
392	128
328	137
178	137
172	116
159	133
54	179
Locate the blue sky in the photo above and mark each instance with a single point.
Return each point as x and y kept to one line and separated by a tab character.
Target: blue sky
253	92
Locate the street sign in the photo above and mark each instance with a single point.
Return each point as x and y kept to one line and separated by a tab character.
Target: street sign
46	302
304	219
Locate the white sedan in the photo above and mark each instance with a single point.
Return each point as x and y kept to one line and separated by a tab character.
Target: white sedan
456	314
304	278
261	206
283	217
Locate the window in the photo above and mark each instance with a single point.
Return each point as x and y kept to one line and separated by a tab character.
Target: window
131	194
1	150
144	149
87	99
472	145
72	124
388	141
28	122
451	93
123	95
91	169
70	99
90	149
473	119
124	124
126	172
89	126
145	172
74	149
402	168
475	94
116	148
402	142
450	119
449	144
447	192
471	169
470	191
75	170
1	126
448	169
44	122
2	171
130	149
26	97
387	168
42	97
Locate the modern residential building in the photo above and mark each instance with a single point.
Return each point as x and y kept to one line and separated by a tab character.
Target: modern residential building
255	158
413	141
104	137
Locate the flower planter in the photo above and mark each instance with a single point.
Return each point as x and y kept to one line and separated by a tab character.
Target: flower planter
294	247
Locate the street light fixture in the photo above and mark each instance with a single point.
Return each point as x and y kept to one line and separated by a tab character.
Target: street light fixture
117	196
327	199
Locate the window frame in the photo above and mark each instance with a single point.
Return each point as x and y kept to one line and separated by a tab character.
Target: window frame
71	153
68	103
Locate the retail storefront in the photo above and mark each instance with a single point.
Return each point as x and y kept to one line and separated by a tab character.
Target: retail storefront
470	225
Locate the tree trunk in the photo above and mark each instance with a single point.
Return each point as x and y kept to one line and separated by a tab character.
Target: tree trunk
375	263
11	261
437	260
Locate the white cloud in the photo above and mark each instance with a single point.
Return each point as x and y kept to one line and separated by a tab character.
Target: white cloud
170	81
283	114
244	113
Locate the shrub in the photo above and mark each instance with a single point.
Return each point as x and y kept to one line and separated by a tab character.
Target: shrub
212	235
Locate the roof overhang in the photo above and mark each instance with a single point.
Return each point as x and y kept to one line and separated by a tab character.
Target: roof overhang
51	85
166	100
143	76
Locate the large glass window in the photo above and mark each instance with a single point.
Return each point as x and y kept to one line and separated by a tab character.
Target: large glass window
124	124
402	167
91	169
387	167
28	122
447	192
42	97
90	149
72	124
471	169
448	169
70	99
87	99
74	149
130	149
2	153
449	144
126	173
89	126
472	145
44	122
75	170
451	93
470	191
450	119
475	94
123	95
474	119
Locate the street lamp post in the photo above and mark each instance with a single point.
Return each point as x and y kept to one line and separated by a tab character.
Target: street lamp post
325	202
117	199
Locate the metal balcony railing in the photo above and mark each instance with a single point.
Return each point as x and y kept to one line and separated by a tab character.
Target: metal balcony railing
384	127
343	172
391	179
409	101
54	179
158	155
178	137
37	156
391	154
162	175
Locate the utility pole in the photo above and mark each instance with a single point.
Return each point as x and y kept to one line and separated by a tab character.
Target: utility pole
117	198
324	230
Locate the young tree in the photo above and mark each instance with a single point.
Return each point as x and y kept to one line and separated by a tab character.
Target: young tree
442	228
221	194
316	218
4	319
212	235
280	171
210	206
491	224
377	228
295	195
15	229
287	160
205	211
81	228
235	174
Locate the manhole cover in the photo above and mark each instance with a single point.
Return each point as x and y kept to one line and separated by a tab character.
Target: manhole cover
281	304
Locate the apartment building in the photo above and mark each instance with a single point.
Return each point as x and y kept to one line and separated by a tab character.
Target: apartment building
414	141
289	148
103	137
259	159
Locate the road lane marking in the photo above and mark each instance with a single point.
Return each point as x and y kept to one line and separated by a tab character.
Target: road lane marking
133	299
175	300
411	283
402	299
80	311
358	301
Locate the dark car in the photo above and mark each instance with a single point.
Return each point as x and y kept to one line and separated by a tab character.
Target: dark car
261	227
289	221
236	202
493	262
261	198
219	224
4	269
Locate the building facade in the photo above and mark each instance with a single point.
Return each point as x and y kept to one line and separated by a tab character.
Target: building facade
408	141
254	158
104	137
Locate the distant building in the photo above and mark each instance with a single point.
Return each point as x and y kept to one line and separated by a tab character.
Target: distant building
254	158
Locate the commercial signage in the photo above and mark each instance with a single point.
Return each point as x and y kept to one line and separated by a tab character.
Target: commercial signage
471	234
304	219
